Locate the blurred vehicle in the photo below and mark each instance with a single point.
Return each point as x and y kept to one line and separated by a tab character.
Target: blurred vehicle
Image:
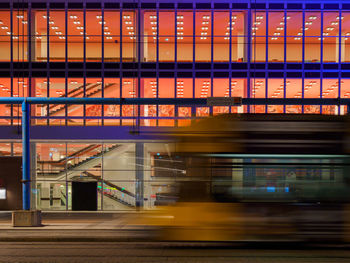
260	177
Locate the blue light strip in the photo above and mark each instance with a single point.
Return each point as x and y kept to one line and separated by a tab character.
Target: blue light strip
169	101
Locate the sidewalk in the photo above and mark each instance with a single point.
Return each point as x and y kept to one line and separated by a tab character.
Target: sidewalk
84	226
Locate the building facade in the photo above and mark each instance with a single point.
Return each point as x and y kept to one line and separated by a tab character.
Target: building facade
155	49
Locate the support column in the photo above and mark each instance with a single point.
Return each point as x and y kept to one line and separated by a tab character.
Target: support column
33	160
45	196
26	156
139	176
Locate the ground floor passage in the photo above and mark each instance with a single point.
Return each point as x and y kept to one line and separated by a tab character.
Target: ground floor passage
126	175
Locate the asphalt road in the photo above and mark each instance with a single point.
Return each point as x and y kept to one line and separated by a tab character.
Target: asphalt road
164	252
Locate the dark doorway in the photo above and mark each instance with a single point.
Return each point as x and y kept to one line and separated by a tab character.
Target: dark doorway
84	196
10	183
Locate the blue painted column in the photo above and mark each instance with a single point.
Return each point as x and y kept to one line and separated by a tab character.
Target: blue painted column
25	155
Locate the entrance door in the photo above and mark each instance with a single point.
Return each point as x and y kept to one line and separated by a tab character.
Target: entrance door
84	196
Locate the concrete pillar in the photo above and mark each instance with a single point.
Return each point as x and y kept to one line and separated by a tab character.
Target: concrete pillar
139	175
45	196
56	195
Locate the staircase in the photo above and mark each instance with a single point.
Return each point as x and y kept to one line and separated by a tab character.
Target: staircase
62	162
116	192
90	92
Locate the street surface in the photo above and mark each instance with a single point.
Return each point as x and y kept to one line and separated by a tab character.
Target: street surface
87	252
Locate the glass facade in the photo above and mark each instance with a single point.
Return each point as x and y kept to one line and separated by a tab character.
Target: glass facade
178	50
121	50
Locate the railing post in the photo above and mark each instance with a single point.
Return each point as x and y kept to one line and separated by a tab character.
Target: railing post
26	155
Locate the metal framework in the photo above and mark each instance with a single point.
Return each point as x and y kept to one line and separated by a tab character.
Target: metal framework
26	102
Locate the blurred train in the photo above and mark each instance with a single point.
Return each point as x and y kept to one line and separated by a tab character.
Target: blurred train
260	177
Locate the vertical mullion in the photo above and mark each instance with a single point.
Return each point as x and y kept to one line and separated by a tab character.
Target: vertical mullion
103	62
11	64
212	57
230	58
157	60
84	62
303	60
66	62
339	57
266	59
175	61
249	49
193	108
48	62
139	58
121	61
285	59
321	60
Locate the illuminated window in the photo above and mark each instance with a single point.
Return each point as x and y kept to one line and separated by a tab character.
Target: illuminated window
5	37
203	36
184	25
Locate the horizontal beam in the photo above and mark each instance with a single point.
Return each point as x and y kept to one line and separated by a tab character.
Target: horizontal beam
170	101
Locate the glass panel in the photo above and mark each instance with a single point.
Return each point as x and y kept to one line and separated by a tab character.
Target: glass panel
184	25
5	35
75	36
112	36
203	36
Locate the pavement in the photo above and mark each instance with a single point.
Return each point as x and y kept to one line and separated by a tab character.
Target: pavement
142	252
77	226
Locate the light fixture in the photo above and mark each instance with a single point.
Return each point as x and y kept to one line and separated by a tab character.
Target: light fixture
2	193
